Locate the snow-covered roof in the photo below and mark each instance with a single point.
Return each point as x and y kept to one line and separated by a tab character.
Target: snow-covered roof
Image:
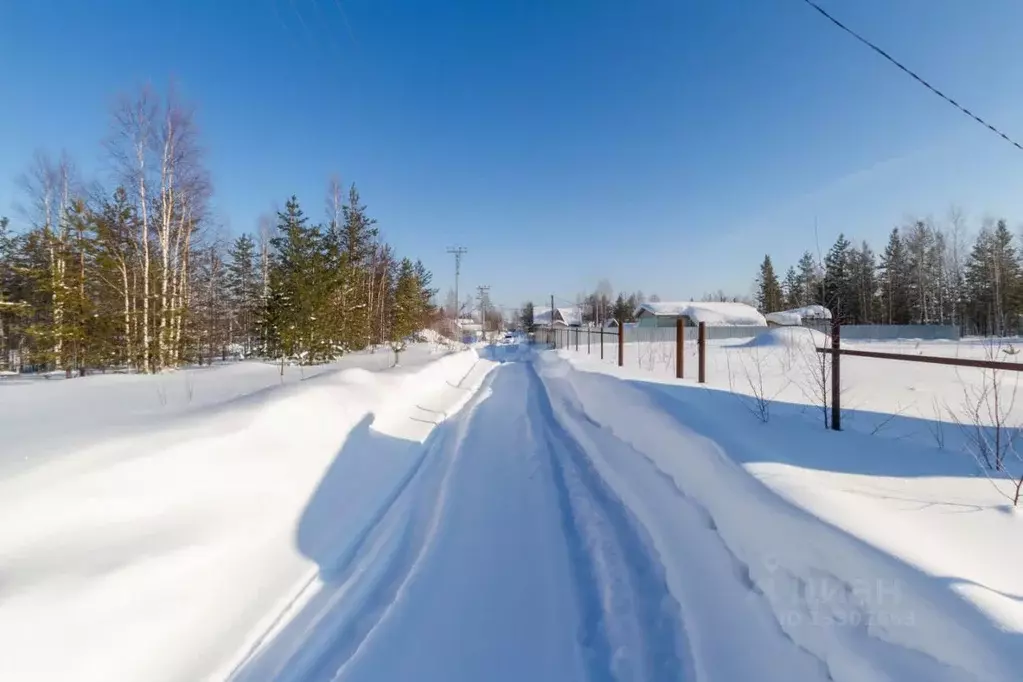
796	316
569	316
713	313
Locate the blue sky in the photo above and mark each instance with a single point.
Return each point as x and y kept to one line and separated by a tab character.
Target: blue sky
665	145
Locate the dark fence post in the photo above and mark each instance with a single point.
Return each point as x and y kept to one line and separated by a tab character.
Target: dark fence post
577	338
680	340
588	332
836	375
621	344
702	341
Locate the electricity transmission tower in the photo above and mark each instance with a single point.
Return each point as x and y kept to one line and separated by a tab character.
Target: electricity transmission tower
483	292
458	252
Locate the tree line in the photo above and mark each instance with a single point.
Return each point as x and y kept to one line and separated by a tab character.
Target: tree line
926	274
137	277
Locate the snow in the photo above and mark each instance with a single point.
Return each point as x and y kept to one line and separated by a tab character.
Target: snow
798	337
712	313
102	407
570	316
507	514
797	315
157	555
881	560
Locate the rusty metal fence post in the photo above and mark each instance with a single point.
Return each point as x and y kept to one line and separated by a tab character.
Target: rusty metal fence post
680	340
836	375
702	341
621	344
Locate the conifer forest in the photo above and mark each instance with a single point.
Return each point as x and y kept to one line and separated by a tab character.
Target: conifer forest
129	271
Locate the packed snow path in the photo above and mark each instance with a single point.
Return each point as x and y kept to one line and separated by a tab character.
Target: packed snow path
505	558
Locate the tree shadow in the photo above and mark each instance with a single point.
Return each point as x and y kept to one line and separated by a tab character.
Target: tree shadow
872	443
359	528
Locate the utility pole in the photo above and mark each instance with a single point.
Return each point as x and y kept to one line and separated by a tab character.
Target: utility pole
553	340
458	252
483	293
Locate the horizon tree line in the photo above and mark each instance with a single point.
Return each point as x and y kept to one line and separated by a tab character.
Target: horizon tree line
926	274
134	274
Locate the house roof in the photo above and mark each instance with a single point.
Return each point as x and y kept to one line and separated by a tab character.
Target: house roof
569	316
797	315
712	313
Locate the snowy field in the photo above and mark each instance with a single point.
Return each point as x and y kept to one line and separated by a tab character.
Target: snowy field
896	400
505	514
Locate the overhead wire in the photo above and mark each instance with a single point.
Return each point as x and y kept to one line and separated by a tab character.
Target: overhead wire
912	74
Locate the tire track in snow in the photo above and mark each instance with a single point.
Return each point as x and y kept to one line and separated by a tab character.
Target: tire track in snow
366	580
821	612
630	625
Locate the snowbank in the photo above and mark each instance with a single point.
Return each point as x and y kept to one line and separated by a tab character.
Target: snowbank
153	557
712	313
880	560
98	409
800	337
797	315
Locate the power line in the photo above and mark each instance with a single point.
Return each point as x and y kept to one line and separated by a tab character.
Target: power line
912	74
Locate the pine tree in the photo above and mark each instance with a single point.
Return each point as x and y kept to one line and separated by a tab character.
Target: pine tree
406	312
839	294
244	292
864	285
791	289
622	310
769	294
893	271
295	278
427	294
809	281
362	273
526	316
993	281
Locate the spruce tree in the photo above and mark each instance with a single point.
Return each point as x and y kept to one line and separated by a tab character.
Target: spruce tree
526	316
791	289
407	308
838	290
809	281
621	310
893	276
864	285
244	291
769	296
360	275
993	282
296	276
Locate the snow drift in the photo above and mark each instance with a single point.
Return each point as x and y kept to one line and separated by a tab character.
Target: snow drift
712	313
153	562
788	337
857	551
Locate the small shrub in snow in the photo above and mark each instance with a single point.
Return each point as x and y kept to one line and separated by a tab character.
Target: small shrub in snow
986	420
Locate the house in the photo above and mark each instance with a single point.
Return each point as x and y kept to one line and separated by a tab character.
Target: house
712	313
563	317
811	315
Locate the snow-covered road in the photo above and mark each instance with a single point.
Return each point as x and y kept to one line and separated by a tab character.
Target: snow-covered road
538	542
505	558
511	517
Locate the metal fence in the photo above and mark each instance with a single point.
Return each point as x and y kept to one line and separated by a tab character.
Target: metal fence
890	332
